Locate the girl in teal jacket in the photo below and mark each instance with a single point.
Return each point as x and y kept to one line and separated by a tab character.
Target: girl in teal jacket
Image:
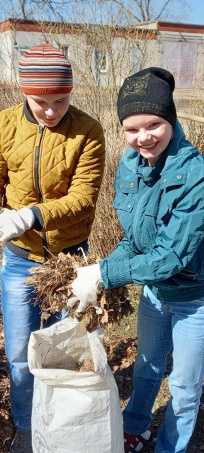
159	198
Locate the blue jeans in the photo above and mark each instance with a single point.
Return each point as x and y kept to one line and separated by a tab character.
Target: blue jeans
162	327
20	317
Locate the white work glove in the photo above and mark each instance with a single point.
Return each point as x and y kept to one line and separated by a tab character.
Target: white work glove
14	223
86	286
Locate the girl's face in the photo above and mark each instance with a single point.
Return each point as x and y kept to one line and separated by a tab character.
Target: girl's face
49	109
148	134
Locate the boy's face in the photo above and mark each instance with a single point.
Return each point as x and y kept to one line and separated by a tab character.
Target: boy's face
49	109
148	134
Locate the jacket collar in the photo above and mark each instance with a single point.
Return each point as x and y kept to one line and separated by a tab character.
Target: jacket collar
176	142
150	174
28	113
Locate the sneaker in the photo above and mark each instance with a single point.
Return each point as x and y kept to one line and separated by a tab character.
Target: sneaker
21	443
140	442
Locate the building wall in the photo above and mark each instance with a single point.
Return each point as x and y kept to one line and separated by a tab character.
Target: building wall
183	55
121	56
6	61
104	60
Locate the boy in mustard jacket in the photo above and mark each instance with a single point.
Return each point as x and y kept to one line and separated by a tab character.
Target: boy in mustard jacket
51	167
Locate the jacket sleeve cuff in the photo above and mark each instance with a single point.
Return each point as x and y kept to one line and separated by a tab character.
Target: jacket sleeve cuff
38	221
115	273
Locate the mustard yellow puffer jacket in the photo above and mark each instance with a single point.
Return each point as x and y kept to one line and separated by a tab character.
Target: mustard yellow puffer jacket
56	171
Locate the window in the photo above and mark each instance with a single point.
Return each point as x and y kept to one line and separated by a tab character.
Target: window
65	50
101	61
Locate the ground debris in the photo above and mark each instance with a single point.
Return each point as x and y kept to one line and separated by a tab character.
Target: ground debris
121	352
6	427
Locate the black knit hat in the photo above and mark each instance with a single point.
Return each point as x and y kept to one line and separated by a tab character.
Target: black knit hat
148	91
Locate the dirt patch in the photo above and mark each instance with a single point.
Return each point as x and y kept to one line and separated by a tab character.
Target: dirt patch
6	427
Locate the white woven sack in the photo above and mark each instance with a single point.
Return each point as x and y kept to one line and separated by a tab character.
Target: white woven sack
73	412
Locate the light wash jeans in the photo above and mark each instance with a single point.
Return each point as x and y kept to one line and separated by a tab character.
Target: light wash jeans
20	318
177	327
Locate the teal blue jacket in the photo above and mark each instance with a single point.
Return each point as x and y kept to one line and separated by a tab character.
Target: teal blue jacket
161	210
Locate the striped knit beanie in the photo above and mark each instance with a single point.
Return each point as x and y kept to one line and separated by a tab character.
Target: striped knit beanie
44	70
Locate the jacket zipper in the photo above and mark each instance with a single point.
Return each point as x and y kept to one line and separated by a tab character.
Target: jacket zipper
37	172
37	164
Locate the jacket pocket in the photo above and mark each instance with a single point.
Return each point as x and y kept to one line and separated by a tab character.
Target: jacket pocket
125	195
148	232
172	182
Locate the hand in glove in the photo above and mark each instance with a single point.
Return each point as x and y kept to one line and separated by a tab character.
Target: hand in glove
14	223
86	286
